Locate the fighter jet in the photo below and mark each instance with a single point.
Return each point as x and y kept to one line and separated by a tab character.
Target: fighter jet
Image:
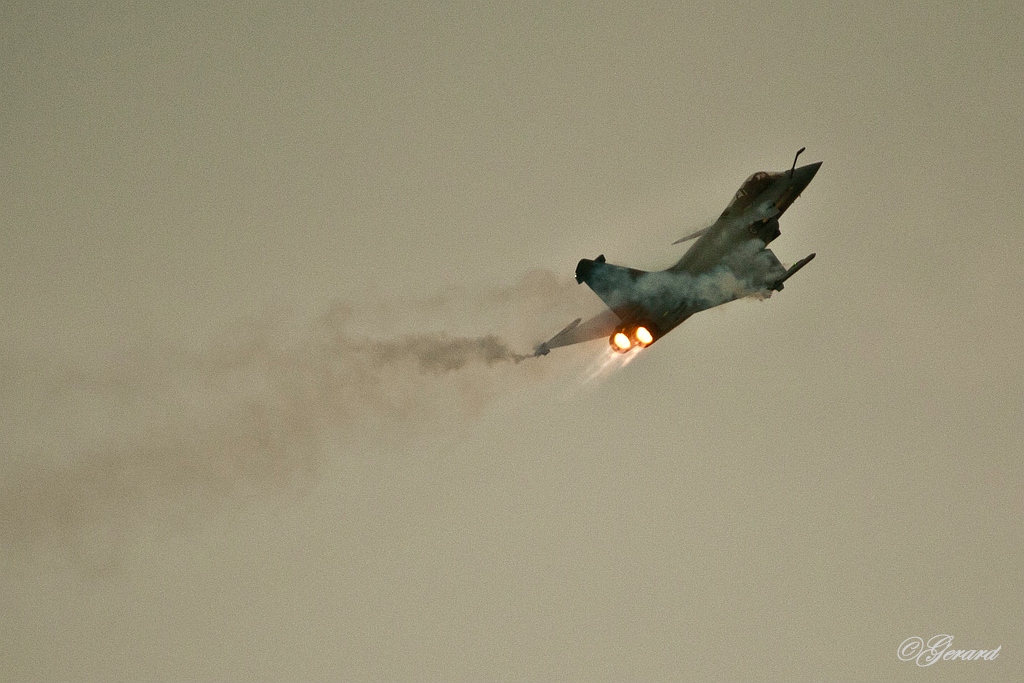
728	261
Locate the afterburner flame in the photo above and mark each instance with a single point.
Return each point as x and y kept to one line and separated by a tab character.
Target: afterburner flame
644	336
621	341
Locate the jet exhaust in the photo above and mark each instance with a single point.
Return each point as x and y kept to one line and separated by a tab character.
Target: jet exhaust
630	338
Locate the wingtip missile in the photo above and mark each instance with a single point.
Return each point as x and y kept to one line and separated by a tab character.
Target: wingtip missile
545	348
692	235
792	271
574	323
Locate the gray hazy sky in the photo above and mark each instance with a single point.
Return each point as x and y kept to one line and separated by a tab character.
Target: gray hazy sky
224	457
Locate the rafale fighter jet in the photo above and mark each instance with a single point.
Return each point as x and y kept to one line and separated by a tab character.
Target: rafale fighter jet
727	262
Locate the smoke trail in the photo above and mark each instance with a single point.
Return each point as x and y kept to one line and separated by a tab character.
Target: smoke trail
169	432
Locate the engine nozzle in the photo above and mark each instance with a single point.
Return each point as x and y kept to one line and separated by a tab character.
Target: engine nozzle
628	338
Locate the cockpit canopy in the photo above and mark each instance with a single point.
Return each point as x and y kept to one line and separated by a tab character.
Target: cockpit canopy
749	190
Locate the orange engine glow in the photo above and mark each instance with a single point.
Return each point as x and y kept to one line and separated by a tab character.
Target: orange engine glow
621	342
644	336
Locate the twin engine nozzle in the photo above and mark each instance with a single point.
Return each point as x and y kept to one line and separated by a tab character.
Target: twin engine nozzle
627	338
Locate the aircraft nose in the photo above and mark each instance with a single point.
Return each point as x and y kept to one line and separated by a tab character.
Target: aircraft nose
805	174
809	170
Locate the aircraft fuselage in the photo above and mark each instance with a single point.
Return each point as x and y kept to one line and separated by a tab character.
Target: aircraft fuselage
728	261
